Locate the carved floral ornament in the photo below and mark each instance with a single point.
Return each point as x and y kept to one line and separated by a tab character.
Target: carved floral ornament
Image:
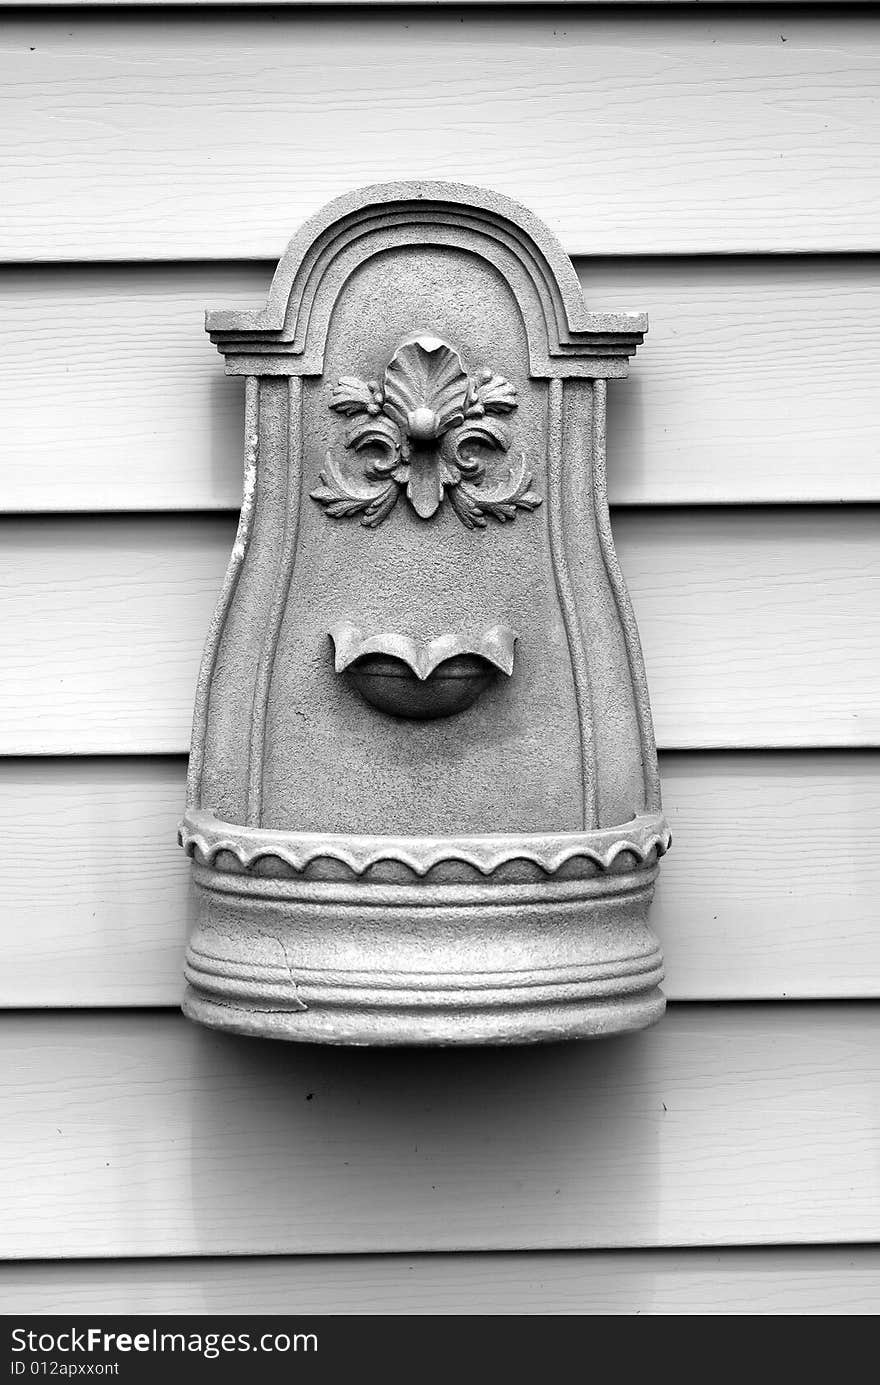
417	429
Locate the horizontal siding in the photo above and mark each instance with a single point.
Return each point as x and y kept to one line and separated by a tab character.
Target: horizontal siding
760	628
821	1280
744	908
756	383
143	1134
216	134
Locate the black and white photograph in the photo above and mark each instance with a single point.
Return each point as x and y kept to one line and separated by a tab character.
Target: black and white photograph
439	678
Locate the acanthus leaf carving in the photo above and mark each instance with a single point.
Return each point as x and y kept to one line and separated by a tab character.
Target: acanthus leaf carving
418	428
473	503
353	396
492	394
341	500
377	432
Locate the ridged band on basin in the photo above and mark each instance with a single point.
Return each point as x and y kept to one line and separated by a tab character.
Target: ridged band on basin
425	962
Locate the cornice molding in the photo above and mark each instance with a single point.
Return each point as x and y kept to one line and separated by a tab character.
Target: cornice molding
287	335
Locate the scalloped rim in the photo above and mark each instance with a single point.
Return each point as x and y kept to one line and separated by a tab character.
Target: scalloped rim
423	657
203	837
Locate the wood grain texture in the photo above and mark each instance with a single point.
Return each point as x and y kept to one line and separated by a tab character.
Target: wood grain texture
760	627
756	383
143	1134
740	915
773	1280
215	135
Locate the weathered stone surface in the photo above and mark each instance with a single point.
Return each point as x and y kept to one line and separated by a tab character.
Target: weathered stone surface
423	800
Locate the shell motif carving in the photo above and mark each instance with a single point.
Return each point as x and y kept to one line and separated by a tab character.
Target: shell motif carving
426	431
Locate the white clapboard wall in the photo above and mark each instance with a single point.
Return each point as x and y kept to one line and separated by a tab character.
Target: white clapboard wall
187	134
716	166
756	373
